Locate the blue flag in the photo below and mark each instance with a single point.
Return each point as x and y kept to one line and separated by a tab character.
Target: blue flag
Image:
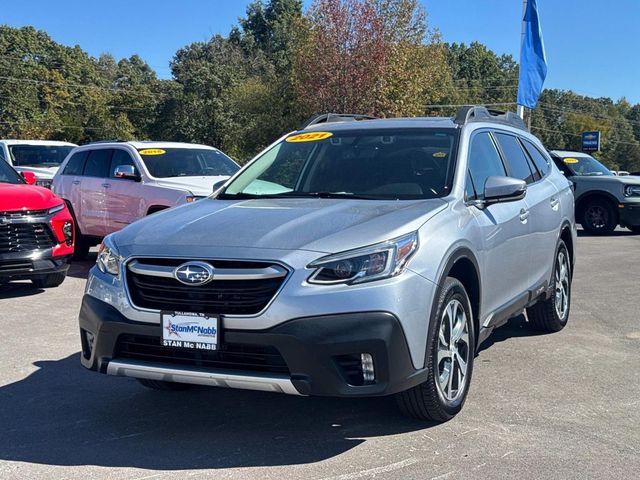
533	62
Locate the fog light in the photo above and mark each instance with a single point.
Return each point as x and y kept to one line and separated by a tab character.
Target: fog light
67	230
368	371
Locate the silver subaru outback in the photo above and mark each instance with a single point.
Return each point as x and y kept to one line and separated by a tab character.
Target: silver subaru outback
354	257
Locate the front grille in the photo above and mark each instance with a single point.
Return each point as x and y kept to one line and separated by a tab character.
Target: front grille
24	237
14	266
226	297
246	358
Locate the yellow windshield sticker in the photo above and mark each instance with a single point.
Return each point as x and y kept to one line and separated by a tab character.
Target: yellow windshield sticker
152	151
309	137
440	154
571	160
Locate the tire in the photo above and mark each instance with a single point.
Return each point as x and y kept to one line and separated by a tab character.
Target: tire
81	247
162	385
431	400
599	217
51	280
551	315
635	229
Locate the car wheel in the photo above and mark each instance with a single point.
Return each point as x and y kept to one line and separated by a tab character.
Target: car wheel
551	315
81	247
450	354
599	217
49	281
162	385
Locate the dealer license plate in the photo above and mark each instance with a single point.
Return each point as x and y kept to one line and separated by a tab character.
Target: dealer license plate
198	331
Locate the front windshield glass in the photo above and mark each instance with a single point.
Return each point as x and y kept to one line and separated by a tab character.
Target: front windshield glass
187	162
586	166
8	174
39	155
370	164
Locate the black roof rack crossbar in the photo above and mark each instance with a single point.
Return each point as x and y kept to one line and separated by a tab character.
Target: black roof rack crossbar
475	113
334	117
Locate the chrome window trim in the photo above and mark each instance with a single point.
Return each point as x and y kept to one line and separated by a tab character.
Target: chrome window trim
128	260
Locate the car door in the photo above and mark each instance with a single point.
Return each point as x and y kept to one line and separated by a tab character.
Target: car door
504	229
543	198
66	183
91	191
122	195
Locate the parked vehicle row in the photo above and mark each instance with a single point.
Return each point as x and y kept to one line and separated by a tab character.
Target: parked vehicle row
350	258
108	185
42	157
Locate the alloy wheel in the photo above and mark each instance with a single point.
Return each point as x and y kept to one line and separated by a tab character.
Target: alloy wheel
453	351
597	217
562	285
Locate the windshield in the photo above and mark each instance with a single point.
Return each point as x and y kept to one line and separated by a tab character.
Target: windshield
369	164
39	155
187	162
586	166
8	174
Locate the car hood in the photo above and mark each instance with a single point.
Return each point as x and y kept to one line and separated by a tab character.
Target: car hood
43	173
26	197
320	225
625	180
200	186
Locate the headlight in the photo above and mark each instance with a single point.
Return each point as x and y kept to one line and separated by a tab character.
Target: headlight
382	260
108	260
56	209
44	183
632	191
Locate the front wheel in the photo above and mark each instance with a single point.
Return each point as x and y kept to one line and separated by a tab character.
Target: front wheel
50	280
599	217
450	353
551	315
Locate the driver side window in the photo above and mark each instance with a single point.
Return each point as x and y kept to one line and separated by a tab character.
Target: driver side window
484	162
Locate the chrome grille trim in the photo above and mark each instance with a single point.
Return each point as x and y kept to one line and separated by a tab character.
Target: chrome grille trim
274	271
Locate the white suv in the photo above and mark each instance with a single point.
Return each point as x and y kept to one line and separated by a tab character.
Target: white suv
108	185
42	157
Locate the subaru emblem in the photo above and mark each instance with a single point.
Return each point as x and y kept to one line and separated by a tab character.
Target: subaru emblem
194	273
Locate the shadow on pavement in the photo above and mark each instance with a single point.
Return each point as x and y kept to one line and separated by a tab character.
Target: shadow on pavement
64	415
80	268
18	289
516	327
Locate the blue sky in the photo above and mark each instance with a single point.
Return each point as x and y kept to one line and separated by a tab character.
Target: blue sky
593	47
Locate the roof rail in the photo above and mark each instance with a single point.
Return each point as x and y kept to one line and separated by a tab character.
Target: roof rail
475	113
334	117
115	140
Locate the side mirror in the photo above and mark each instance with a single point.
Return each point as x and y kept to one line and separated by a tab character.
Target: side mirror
126	172
29	177
504	189
218	184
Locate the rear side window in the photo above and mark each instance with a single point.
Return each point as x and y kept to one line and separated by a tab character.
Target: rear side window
515	157
75	165
540	161
120	157
98	162
484	162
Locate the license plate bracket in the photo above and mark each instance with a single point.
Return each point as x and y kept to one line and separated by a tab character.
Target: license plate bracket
190	330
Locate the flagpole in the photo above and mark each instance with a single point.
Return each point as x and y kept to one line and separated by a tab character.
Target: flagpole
520	108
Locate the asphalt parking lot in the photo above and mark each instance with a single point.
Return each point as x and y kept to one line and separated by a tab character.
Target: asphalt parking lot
565	405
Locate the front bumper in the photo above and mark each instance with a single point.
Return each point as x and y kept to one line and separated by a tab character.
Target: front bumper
629	214
26	265
319	353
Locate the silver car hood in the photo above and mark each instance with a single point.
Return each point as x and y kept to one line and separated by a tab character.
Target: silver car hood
319	225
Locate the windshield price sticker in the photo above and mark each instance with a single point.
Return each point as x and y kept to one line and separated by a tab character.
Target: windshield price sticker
152	151
190	330
571	160
309	137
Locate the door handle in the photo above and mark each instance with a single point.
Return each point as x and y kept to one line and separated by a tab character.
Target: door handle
76	182
524	214
554	202
106	185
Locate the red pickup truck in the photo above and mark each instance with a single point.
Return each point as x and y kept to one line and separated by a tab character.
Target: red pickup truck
36	231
